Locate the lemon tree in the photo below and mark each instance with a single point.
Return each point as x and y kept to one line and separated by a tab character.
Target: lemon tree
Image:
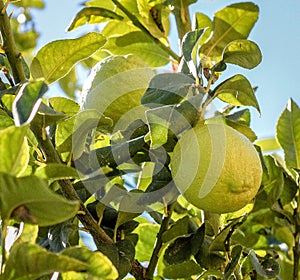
147	167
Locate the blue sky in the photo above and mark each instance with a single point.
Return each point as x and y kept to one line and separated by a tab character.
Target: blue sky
276	32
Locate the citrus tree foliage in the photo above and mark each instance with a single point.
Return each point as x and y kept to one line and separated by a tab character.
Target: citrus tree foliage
98	166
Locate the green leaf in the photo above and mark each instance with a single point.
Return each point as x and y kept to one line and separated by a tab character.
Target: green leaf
29	234
235	257
27	101
207	259
182	248
38	4
5	121
231	23
57	237
237	91
56	59
128	202
218	243
99	3
115	87
64	105
99	266
242	117
180	228
71	134
158	120
244	53
147	235
56	171
47	116
92	15
126	252
273	185
288	134
30	197
70	84
14	150
244	129
139	44
268	268
167	89
268	144
289	191
161	189
30	261
166	122
155	17
202	21
190	48
182	270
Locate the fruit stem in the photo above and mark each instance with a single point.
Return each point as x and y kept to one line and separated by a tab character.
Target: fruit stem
209	98
159	242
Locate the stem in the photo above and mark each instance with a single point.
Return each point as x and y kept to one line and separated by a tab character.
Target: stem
183	19
155	254
9	46
139	25
296	249
209	98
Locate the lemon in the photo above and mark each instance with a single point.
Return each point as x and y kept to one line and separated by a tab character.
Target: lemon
216	168
114	88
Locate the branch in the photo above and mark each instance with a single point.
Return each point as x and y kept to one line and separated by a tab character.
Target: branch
69	192
159	243
9	46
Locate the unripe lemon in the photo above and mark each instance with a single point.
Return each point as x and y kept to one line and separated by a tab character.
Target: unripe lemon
216	168
114	89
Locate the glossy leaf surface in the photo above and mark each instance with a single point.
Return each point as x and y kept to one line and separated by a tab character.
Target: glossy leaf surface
244	53
237	91
230	23
14	158
288	134
55	60
30	199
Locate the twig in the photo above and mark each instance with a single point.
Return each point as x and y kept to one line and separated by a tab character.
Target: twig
159	243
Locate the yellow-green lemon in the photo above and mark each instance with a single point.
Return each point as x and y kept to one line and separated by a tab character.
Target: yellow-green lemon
114	89
216	168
